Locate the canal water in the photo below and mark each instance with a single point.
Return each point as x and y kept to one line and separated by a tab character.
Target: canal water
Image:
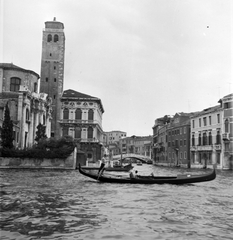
58	205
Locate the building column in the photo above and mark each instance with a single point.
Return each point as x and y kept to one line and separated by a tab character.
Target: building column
31	131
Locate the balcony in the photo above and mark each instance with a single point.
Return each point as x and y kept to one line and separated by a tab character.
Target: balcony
77	121
193	148
205	148
225	136
89	140
218	147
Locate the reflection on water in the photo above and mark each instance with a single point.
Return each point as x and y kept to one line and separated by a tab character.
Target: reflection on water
65	205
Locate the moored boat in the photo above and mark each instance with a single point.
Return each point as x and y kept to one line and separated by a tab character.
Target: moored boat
179	179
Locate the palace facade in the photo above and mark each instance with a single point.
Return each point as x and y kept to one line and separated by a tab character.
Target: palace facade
81	118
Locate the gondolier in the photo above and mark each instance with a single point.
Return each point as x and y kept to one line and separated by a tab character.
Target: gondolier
103	162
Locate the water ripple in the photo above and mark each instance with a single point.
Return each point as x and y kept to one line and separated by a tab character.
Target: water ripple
66	205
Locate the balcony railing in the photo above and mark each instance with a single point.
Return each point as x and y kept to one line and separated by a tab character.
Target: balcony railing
77	121
89	140
204	148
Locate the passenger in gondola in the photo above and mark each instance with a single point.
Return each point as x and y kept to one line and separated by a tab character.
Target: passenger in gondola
133	174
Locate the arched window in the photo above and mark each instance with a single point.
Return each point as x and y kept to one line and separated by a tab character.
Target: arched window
27	114
49	38
66	113
90	114
43	119
65	131
226	126
193	140
15	83
210	138
90	132
77	133
199	139
204	139
55	39
218	138
78	114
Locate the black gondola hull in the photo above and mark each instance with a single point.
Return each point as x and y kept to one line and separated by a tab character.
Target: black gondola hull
180	179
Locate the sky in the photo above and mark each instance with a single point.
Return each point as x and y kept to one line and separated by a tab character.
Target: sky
143	58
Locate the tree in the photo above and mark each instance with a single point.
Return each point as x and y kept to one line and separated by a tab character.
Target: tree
7	130
40	133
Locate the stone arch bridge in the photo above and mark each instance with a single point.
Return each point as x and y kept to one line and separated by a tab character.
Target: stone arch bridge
142	158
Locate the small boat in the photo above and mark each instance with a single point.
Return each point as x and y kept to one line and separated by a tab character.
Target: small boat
149	162
118	168
179	179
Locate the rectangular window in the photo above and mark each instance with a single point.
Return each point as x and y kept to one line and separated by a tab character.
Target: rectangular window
15	83
199	122
193	124
218	118
204	121
210	120
46	79
184	142
185	155
184	130
181	155
55	79
181	142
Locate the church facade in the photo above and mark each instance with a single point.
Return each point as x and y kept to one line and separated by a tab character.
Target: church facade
28	108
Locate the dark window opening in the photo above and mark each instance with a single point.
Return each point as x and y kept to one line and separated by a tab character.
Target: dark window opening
66	113
55	79
90	114
46	79
49	38
78	114
210	138
65	131
90	132
55	38
77	132
218	138
35	87
15	83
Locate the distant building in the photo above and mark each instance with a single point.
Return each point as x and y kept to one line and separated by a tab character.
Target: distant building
114	136
171	139
159	145
227	133
206	141
211	135
52	69
178	139
81	118
28	108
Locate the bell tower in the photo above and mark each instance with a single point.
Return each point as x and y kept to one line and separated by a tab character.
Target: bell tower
52	69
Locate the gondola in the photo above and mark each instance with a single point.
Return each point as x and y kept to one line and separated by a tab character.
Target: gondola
125	168
179	179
